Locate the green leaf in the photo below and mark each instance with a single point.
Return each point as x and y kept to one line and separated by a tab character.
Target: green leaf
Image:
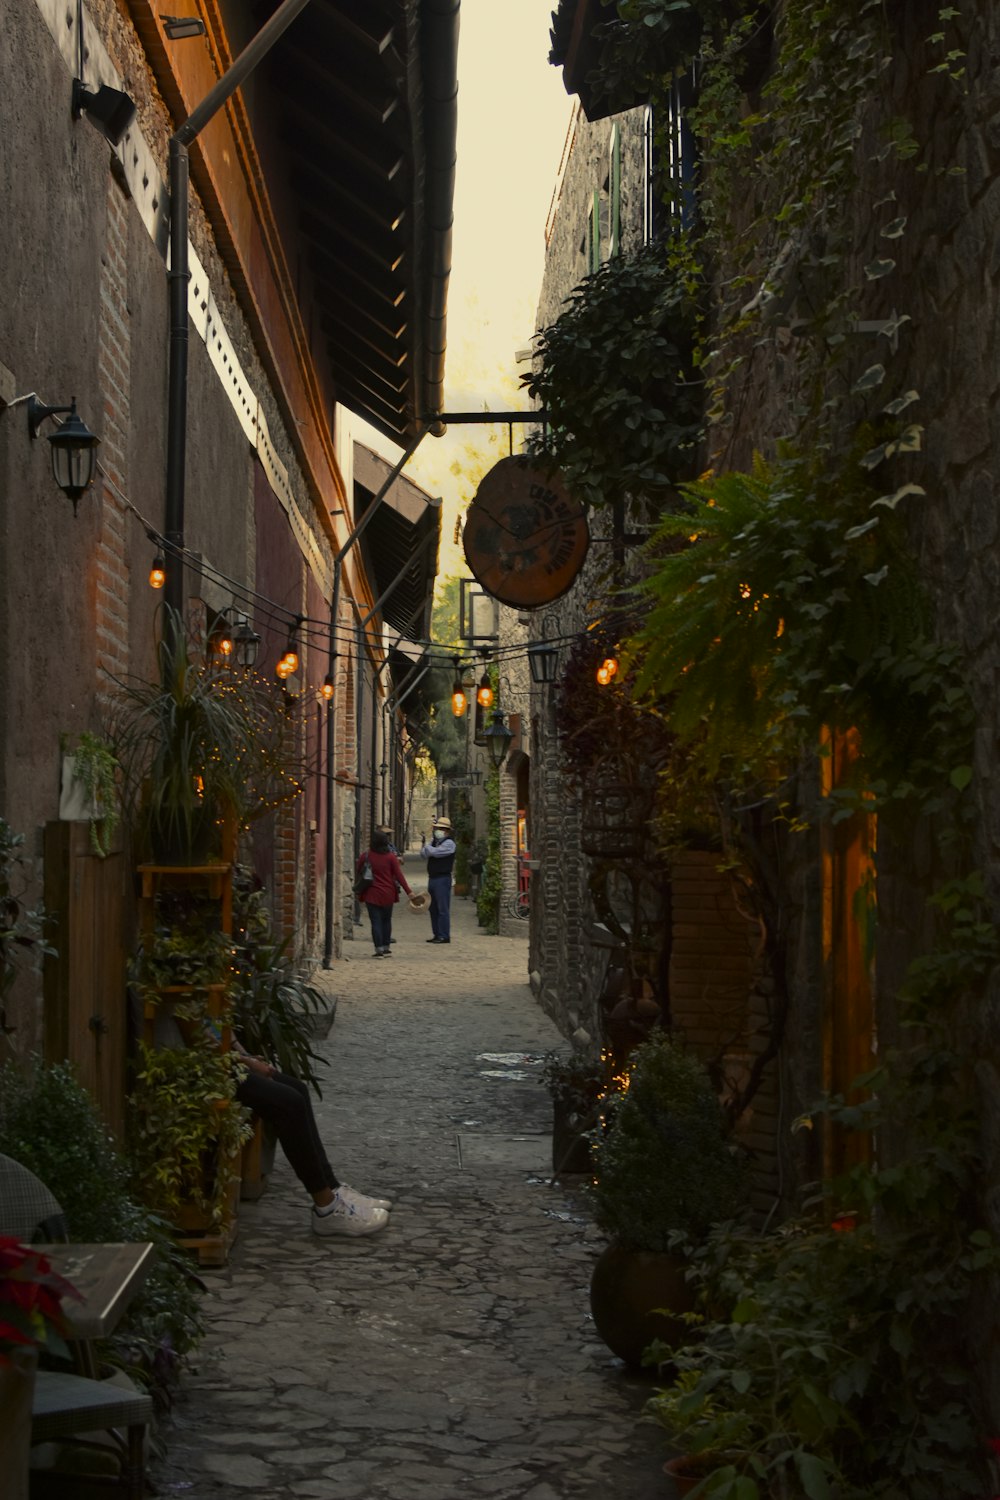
891	501
893	408
875	269
894	230
874	456
812	1473
876	578
856	531
741	1381
873	376
960	777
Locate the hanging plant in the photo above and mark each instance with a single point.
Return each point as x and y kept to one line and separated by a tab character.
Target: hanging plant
617	379
95	772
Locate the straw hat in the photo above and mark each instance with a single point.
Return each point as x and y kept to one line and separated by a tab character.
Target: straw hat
420	900
442	823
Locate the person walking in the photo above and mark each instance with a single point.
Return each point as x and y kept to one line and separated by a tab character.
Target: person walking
440	857
383	893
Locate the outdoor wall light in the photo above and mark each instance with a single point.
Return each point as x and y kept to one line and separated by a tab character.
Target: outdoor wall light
158	572
74	448
246	642
109	110
498	739
543	661
179	27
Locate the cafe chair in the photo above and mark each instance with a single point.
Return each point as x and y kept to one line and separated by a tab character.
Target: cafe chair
28	1211
67	1406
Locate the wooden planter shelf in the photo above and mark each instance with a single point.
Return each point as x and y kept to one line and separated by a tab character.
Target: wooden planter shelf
211	1243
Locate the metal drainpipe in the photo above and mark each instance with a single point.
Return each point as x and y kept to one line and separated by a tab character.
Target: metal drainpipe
178	277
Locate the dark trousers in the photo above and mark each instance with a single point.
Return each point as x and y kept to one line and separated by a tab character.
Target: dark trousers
284	1103
381	920
440	889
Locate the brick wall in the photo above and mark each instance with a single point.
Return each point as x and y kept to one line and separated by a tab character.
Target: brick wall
115	372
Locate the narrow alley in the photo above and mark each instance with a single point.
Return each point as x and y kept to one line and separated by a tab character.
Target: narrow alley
451	1355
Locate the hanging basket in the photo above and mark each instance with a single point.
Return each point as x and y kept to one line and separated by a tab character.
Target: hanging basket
617	820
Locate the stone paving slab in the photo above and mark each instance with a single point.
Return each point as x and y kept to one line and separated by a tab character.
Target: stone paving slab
451	1357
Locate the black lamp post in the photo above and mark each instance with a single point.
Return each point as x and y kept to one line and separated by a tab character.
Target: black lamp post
497	739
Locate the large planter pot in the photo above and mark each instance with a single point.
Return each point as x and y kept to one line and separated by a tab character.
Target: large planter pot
17	1388
633	1294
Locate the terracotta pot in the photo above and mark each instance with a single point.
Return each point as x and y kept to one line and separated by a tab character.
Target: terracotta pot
629	1292
17	1389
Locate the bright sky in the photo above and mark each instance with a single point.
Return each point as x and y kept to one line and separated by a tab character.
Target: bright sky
513	113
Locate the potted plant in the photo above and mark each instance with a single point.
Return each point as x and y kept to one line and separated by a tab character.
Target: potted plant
186	1130
665	1170
30	1318
90	789
199	747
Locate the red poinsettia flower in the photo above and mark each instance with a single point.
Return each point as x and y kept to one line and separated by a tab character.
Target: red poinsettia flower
31	1294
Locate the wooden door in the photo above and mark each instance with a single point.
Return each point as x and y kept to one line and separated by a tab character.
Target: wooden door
85	997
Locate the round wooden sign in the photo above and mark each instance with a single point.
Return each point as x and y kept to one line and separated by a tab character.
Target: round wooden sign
525	535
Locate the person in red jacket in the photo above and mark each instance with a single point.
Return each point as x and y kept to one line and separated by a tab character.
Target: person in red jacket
383	893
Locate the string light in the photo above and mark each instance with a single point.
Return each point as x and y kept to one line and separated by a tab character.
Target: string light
607	670
458	700
484	694
326	691
158	572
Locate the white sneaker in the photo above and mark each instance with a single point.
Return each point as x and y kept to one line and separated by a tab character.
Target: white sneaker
353	1196
349	1217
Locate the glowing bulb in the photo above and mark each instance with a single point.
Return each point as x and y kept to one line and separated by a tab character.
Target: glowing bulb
291	661
158	572
609	667
603	675
458	703
226	646
326	691
283	670
484	695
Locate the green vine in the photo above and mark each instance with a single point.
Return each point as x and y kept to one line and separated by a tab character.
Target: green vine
491	879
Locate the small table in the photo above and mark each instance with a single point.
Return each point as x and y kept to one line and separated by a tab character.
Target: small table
107	1278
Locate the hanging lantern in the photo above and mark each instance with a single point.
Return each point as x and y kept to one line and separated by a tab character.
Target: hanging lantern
498	739
543	661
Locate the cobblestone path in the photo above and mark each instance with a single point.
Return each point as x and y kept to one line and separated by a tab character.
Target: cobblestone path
452	1356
